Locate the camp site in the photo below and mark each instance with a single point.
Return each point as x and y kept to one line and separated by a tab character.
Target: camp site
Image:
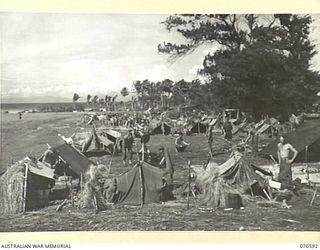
236	148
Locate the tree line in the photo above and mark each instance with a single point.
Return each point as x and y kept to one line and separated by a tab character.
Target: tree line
261	64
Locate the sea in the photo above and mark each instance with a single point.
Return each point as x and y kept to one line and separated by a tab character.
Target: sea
20	107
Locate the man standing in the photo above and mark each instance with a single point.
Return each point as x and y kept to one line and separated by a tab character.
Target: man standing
227	127
285	172
127	147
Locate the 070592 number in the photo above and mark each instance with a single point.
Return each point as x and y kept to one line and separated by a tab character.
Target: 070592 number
309	246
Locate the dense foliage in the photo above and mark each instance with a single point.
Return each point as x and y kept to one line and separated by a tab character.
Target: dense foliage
261	63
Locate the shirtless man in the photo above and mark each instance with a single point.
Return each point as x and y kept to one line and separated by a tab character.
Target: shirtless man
285	173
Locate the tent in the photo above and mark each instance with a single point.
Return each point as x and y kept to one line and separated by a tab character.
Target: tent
143	184
234	178
97	145
307	135
199	127
76	161
25	186
111	135
161	128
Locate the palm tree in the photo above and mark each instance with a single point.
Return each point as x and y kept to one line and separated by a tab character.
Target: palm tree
124	92
75	98
101	102
95	101
106	101
113	99
88	100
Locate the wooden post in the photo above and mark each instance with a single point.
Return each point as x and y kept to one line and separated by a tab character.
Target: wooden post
314	196
189	184
81	182
113	152
25	188
71	193
307	165
65	176
142	152
141	185
198	127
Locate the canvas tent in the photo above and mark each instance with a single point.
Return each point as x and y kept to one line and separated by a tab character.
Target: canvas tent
307	135
199	127
143	184
235	177
76	161
97	145
161	128
25	186
111	135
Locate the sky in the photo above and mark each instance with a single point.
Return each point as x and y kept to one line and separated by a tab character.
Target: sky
59	54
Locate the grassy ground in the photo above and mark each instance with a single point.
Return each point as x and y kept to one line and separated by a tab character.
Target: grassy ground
20	137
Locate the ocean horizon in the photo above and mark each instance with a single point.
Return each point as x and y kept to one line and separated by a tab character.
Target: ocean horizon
35	106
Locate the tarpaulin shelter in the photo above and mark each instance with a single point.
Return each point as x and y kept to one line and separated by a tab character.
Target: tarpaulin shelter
76	161
97	145
199	127
235	177
25	186
307	135
143	184
237	128
160	128
111	135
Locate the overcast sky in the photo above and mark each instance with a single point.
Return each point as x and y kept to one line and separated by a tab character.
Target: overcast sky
59	54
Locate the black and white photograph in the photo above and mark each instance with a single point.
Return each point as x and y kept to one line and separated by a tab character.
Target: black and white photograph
159	122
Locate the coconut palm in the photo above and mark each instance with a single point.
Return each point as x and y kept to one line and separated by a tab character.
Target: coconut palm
89	100
95	101
124	92
75	98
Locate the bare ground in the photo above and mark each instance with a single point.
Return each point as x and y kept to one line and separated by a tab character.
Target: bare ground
19	137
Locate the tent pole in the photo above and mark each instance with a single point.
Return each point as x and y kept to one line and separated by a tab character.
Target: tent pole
25	188
81	182
141	184
189	184
142	152
71	194
307	165
113	152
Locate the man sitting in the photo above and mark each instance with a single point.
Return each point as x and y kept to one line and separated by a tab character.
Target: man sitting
180	144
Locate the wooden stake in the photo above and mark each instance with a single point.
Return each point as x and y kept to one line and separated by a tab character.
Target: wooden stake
81	182
314	196
141	185
189	184
265	192
113	152
25	188
71	193
142	152
95	203
59	208
307	165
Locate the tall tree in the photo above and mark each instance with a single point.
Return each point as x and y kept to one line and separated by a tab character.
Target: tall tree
260	64
88	100
95	101
75	98
124	92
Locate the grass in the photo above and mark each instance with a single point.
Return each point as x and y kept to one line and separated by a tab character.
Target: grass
20	137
